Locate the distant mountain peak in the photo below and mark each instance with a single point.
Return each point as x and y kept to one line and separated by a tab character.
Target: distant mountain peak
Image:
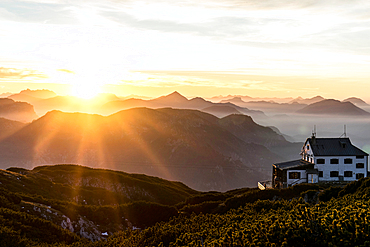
237	99
318	97
173	97
234	100
334	107
356	101
198	98
38	93
176	94
307	101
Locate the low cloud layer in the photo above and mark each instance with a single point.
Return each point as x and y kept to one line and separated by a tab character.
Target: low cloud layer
12	73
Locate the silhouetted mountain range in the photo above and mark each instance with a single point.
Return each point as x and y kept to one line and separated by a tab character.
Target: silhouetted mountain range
176	100
221	111
334	107
272	107
106	104
315	105
356	101
201	150
32	96
234	100
246	98
307	101
4	95
19	111
73	104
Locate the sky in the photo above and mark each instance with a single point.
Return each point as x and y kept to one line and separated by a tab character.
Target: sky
270	48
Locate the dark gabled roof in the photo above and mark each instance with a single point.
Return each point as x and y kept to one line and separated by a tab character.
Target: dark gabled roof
294	164
312	171
334	147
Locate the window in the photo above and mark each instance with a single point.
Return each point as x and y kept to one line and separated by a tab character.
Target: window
320	161
347	161
321	174
348	174
359	175
334	174
334	161
359	157
294	175
360	165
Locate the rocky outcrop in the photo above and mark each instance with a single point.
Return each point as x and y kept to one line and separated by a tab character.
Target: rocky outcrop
81	225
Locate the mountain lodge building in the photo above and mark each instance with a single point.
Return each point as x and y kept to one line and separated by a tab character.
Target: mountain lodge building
322	159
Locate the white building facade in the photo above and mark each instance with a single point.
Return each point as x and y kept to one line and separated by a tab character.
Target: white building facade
323	159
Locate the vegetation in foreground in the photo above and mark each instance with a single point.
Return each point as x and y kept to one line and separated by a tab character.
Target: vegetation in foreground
303	215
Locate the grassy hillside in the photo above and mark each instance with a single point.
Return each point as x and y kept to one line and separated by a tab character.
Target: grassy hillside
74	201
340	221
81	184
303	215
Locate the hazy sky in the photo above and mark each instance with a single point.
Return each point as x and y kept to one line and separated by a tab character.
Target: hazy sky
152	47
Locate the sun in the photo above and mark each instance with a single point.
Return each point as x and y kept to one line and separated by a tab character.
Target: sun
86	90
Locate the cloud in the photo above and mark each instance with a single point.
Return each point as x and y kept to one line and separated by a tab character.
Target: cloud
278	4
219	79
266	24
266	4
66	71
277	36
238	80
234	29
17	74
38	12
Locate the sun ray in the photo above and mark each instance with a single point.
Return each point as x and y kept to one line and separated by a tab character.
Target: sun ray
128	120
43	142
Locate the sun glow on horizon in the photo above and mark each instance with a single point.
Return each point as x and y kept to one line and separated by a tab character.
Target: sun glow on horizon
84	84
86	90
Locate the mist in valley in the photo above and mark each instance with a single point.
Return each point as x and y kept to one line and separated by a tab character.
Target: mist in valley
283	113
297	128
209	144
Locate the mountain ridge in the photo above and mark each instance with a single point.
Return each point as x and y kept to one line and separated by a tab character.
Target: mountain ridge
174	100
356	101
158	142
17	111
91	203
334	107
